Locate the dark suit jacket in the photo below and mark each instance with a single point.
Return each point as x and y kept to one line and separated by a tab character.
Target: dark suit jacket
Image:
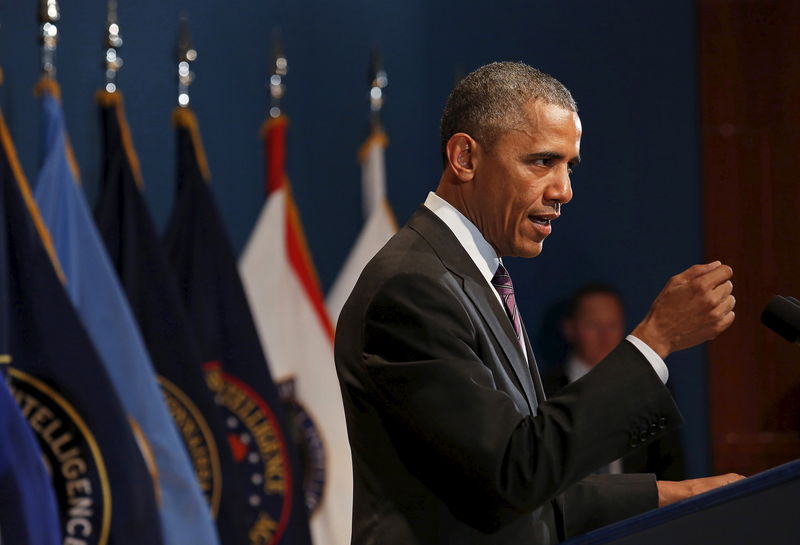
452	439
663	457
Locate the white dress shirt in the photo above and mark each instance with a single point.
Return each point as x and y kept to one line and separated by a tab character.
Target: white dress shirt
487	261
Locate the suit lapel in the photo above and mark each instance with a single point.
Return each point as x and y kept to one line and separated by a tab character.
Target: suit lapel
456	259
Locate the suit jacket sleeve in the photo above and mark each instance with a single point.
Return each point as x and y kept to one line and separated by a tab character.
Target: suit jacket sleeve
464	437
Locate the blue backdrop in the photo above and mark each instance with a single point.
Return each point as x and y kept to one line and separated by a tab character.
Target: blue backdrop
635	219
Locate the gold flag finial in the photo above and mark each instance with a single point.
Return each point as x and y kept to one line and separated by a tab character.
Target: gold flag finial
49	14
280	67
378	80
113	61
186	55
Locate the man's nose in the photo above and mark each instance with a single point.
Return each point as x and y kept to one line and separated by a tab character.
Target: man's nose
560	188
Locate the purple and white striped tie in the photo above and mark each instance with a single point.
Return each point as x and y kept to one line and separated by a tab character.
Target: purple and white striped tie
502	283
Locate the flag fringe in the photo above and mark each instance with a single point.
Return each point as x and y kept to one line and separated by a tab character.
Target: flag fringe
114	100
49	85
301	260
376	138
27	196
185	118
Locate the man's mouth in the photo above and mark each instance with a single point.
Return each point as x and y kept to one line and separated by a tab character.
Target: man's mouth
543	219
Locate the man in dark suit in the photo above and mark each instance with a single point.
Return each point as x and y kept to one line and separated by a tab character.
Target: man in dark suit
593	325
453	440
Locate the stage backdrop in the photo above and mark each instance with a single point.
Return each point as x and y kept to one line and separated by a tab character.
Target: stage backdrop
635	219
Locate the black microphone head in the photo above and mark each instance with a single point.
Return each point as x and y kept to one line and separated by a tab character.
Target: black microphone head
782	315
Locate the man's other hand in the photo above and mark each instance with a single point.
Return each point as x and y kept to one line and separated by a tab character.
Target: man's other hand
695	306
672	491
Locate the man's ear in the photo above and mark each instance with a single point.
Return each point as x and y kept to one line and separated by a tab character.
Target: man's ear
461	156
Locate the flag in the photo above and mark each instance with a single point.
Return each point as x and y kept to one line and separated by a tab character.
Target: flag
294	327
379	221
102	484
135	250
29	512
236	371
95	291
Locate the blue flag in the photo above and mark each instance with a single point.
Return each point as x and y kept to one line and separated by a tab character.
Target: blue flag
201	255
95	291
139	259
102	484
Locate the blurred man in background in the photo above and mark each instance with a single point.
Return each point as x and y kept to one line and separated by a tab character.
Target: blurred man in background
594	324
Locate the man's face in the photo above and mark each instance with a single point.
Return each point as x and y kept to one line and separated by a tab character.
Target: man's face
521	181
597	327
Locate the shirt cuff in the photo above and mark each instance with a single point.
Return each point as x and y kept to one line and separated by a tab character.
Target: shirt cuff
654	359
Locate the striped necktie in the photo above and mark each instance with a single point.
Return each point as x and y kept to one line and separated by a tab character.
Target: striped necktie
502	283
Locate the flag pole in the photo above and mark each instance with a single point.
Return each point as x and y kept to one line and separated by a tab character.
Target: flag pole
378	81
49	14
280	67
113	61
186	55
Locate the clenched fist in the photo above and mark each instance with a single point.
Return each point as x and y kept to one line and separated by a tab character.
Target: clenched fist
695	306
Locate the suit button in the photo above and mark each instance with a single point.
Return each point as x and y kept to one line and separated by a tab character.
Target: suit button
662	423
643	436
654	429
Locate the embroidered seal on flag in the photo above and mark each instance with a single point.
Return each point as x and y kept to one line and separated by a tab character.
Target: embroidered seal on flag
308	440
199	442
259	450
71	456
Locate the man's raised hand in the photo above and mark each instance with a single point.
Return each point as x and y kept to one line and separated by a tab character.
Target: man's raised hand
695	306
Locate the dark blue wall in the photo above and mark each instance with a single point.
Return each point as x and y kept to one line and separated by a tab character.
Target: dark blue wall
635	219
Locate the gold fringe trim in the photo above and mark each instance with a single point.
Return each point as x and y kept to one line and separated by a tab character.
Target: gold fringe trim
294	218
185	118
27	196
377	137
114	100
47	84
149	456
5	359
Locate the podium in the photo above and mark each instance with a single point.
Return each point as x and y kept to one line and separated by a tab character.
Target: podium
764	508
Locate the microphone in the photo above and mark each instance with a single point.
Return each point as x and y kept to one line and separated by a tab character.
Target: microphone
782	315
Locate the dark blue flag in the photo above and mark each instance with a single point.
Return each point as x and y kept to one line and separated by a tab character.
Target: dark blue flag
28	508
137	255
104	489
236	369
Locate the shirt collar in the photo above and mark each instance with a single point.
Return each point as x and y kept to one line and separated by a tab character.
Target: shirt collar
468	235
576	368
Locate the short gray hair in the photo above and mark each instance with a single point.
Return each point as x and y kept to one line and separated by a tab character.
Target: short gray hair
489	101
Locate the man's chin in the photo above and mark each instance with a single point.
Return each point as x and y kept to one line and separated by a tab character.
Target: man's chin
531	249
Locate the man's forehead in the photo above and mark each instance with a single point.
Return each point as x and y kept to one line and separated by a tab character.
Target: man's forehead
538	114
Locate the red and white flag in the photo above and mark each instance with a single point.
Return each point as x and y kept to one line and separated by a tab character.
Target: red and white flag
289	310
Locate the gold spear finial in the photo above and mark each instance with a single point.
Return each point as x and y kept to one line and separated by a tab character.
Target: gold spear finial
113	62
186	55
49	14
378	80
280	67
